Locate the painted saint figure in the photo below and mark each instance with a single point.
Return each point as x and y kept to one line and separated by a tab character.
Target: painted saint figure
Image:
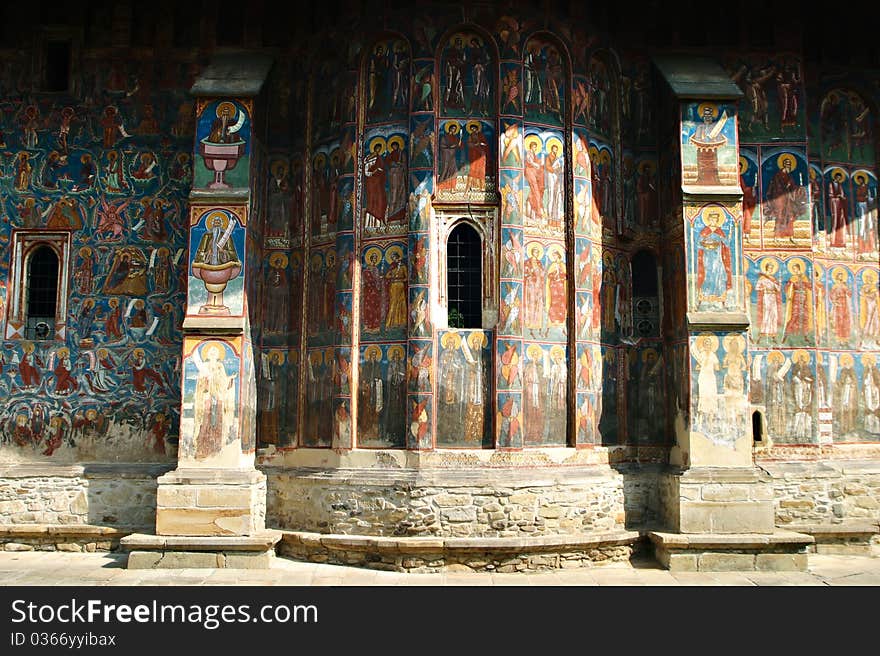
214	404
714	279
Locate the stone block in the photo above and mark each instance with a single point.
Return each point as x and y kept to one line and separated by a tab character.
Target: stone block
204	521
211	497
680	562
261	560
174	559
452	500
17	546
781	562
726	562
720	492
68	546
175	496
729	517
80	504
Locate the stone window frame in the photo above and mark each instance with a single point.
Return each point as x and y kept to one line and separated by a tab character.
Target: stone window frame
484	220
24	244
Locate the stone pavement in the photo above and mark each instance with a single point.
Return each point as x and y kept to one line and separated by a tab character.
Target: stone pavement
84	569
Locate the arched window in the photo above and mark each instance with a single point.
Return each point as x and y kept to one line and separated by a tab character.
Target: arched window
464	277
645	295
42	293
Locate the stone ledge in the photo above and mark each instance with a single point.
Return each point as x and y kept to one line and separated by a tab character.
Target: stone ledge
849	530
180	543
68	531
420	554
728	541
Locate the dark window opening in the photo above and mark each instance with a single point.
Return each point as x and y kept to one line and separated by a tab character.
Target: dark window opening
464	277
645	295
42	294
57	66
230	23
757	427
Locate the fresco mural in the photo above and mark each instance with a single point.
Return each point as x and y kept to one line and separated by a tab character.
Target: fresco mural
709	144
714	267
544	82
388	80
467	76
222	153
466	161
544	174
384	279
772	107
785	207
719	386
381	394
544	395
385	171
211	397
782	303
464	366
216	250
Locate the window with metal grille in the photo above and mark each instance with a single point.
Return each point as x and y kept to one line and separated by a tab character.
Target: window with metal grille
464	277
645	295
42	294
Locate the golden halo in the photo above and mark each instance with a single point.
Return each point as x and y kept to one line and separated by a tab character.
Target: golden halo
293	356
63	351
396	139
452	126
278	260
162	252
812	173
277	356
216	214
605	156
711	211
535	245
868	360
743	164
860	176
647	165
207	349
372	350
553	141
731	340
278	168
775	356
226	107
316	260
647	352
373	250
594	153
391	251
316	357
769	265
378	141
796	260
707	338
786	156
335	156
329	352
477	340
869	276
102	353
28	347
557	351
608	259
800	355
846	360
837	170
471	124
84	251
395	349
839	269
319	161
701	109
555	248
532	139
450	340
534	352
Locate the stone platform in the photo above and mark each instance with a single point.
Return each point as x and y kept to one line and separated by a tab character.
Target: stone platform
781	551
60	537
854	538
175	552
475	554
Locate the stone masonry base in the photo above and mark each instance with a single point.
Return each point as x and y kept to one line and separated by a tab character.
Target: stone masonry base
178	552
413	554
782	551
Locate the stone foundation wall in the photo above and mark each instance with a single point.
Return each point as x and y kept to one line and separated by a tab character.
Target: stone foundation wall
484	503
122	496
641	494
823	493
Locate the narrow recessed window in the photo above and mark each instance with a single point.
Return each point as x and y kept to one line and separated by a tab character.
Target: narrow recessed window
57	66
645	296
42	294
757	427
464	277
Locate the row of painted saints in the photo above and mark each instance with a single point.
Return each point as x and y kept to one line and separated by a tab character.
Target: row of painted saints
796	308
795	390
